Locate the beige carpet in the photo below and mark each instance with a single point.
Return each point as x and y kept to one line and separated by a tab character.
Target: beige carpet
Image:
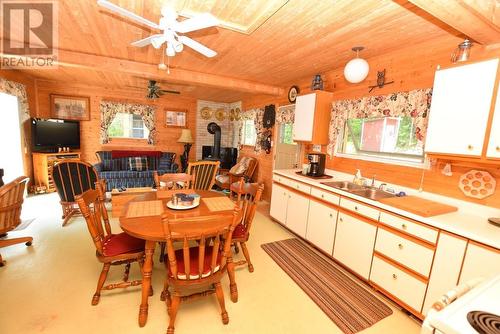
47	288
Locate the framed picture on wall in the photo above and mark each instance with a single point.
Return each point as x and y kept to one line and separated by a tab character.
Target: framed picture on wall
70	107
176	118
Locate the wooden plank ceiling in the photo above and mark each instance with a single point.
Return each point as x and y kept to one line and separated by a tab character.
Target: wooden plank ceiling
272	42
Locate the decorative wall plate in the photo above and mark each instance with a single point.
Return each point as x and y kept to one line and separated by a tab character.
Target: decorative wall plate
220	114
231	115
206	113
477	184
237	114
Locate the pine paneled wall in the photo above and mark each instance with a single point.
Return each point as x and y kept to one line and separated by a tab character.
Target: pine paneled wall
166	137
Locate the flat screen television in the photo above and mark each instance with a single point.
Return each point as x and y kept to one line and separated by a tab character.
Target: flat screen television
50	134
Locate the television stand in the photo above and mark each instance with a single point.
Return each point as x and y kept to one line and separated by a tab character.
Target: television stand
42	169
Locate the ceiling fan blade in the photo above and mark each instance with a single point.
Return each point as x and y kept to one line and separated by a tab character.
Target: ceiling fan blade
145	41
197	46
119	10
170	91
197	22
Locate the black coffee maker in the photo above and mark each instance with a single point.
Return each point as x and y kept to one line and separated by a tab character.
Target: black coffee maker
316	164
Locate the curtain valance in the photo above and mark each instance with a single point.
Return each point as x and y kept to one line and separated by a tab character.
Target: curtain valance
285	114
19	90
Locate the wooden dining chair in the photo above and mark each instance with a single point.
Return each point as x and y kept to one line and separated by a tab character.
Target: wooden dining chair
174	180
197	259
112	249
248	196
205	172
11	201
72	177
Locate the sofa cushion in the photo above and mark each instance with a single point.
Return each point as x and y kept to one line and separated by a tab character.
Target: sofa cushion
241	167
137	163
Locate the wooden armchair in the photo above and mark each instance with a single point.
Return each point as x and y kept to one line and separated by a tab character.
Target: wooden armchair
245	168
197	259
72	177
11	201
248	196
205	172
111	249
174	180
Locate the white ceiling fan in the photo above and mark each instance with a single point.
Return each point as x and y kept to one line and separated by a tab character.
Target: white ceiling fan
170	28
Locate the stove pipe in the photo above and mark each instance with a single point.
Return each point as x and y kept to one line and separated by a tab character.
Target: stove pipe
214	129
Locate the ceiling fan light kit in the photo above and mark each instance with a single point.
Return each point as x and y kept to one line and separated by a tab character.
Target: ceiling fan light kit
171	28
356	70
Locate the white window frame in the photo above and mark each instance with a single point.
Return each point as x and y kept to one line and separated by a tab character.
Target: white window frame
131	130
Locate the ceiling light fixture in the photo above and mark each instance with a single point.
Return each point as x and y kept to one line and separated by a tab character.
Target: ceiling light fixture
356	70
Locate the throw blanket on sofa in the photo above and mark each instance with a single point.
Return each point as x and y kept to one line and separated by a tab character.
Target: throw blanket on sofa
126	154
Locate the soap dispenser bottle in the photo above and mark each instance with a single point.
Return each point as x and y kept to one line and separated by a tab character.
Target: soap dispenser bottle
358	179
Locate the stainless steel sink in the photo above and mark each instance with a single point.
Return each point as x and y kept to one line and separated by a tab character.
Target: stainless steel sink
372	193
344	185
363	191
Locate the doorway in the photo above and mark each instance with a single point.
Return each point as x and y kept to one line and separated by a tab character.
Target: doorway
287	151
11	153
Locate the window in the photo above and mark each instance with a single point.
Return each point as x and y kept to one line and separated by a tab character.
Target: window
391	138
127	125
286	134
248	134
10	132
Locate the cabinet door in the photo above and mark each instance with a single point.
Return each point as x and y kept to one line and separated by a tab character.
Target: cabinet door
279	199
460	108
304	117
494	141
296	213
354	242
480	261
321	225
445	269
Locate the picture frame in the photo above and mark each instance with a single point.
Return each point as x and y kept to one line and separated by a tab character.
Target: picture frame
176	118
76	108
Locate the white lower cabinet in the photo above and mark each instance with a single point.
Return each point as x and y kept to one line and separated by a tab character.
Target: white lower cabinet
480	261
354	242
399	283
279	201
446	268
321	225
296	213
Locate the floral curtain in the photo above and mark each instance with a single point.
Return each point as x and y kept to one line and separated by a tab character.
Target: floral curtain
415	103
18	90
285	114
110	109
257	115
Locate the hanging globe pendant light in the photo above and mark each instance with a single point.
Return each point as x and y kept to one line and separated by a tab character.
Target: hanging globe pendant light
356	69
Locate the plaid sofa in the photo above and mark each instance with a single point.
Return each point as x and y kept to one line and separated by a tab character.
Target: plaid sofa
117	173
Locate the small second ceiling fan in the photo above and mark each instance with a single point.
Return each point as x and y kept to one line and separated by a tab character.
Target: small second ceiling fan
154	91
171	28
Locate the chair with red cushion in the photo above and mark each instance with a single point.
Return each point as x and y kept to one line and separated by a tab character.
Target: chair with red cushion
248	196
112	249
197	259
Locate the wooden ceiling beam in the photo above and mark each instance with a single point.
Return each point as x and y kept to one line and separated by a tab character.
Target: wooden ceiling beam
80	60
465	17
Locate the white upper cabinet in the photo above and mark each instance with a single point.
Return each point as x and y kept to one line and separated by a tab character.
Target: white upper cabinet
494	141
304	117
460	108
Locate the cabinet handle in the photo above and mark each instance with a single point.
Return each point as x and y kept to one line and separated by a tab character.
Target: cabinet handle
289	196
323	196
470	147
340	219
331	215
284	194
356	208
400	246
497	148
404	227
394	276
297	186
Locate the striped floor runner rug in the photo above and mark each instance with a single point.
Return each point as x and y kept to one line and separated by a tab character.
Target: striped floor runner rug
348	304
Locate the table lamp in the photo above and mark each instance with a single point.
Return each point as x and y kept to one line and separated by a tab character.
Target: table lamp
187	139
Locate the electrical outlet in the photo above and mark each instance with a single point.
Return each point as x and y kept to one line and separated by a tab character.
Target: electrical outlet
316	148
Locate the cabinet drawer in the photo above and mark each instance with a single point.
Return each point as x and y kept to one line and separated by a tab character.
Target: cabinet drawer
418	230
361	209
279	178
397	282
326	196
292	184
405	251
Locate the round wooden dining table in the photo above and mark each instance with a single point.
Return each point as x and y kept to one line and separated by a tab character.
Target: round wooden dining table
149	227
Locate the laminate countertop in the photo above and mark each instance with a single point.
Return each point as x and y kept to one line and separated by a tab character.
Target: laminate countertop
470	221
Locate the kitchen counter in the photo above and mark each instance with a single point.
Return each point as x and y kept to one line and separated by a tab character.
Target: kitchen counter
470	221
